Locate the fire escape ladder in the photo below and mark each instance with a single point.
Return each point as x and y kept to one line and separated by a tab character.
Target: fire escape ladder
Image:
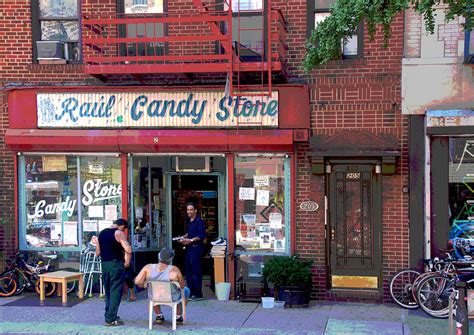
260	55
214	26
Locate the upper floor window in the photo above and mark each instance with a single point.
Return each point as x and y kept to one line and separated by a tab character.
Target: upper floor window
248	29
56	31
318	11
247	5
143	6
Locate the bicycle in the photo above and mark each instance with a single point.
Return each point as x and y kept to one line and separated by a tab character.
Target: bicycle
434	290
403	283
26	276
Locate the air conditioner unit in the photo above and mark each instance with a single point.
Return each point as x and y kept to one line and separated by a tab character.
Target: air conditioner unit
193	164
50	50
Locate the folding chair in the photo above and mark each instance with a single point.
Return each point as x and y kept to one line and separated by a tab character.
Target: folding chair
159	293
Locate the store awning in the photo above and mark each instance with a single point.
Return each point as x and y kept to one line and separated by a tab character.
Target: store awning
149	140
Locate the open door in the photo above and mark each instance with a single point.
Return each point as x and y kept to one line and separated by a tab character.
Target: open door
203	191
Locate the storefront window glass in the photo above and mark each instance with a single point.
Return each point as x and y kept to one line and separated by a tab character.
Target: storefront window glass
261	204
461	195
101	194
50	192
50	199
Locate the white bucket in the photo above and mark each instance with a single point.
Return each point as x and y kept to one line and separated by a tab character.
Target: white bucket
222	291
268	302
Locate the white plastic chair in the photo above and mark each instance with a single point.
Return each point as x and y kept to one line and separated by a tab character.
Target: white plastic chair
159	293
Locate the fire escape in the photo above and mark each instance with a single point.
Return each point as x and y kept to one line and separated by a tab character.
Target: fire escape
204	41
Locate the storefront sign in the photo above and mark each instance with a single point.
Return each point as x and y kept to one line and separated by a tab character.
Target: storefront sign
155	109
309	206
449	118
93	190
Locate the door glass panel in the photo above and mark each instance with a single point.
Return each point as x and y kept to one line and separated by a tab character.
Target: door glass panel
353	225
148	204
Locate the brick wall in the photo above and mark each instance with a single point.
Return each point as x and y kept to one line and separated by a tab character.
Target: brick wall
361	94
358	94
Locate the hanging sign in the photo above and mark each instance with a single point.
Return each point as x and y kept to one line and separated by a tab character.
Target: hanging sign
189	109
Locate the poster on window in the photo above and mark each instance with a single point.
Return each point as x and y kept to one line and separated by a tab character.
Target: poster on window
111	212
275	220
279	246
263	197
95	211
70	232
54	163
249	219
259	181
56	231
246	193
265	240
89	225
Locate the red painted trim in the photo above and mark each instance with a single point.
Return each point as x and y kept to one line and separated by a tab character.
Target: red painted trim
293	204
147	140
64	140
124	160
230	223
15	194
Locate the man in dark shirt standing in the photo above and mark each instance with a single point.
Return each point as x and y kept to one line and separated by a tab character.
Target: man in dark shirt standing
115	253
193	240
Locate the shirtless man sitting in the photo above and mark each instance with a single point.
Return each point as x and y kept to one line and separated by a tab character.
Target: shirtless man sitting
166	272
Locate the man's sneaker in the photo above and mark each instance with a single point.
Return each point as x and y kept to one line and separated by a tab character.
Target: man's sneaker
194	298
219	241
114	323
179	319
160	318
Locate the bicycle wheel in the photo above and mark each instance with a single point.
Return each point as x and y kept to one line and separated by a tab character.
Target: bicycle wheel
71	286
49	288
463	241
8	285
22	283
401	286
433	295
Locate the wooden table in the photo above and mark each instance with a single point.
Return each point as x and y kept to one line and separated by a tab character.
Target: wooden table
62	277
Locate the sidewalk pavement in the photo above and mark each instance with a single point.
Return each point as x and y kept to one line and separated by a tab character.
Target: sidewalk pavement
223	317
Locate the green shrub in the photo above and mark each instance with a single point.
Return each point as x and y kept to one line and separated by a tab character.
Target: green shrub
288	271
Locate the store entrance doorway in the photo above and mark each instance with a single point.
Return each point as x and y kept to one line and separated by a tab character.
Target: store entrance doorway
203	191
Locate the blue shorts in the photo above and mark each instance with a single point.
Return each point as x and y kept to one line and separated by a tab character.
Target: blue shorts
187	293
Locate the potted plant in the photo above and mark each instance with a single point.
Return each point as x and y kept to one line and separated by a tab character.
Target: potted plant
291	278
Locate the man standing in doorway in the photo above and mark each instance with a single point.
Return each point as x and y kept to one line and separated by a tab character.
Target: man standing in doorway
115	253
193	240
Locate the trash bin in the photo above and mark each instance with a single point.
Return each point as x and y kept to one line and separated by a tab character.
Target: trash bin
222	291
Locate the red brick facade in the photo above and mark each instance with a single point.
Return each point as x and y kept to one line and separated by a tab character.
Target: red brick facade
345	95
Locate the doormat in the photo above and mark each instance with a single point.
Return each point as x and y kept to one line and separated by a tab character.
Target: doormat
34	301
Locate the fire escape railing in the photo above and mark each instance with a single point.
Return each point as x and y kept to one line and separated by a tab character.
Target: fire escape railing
196	43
